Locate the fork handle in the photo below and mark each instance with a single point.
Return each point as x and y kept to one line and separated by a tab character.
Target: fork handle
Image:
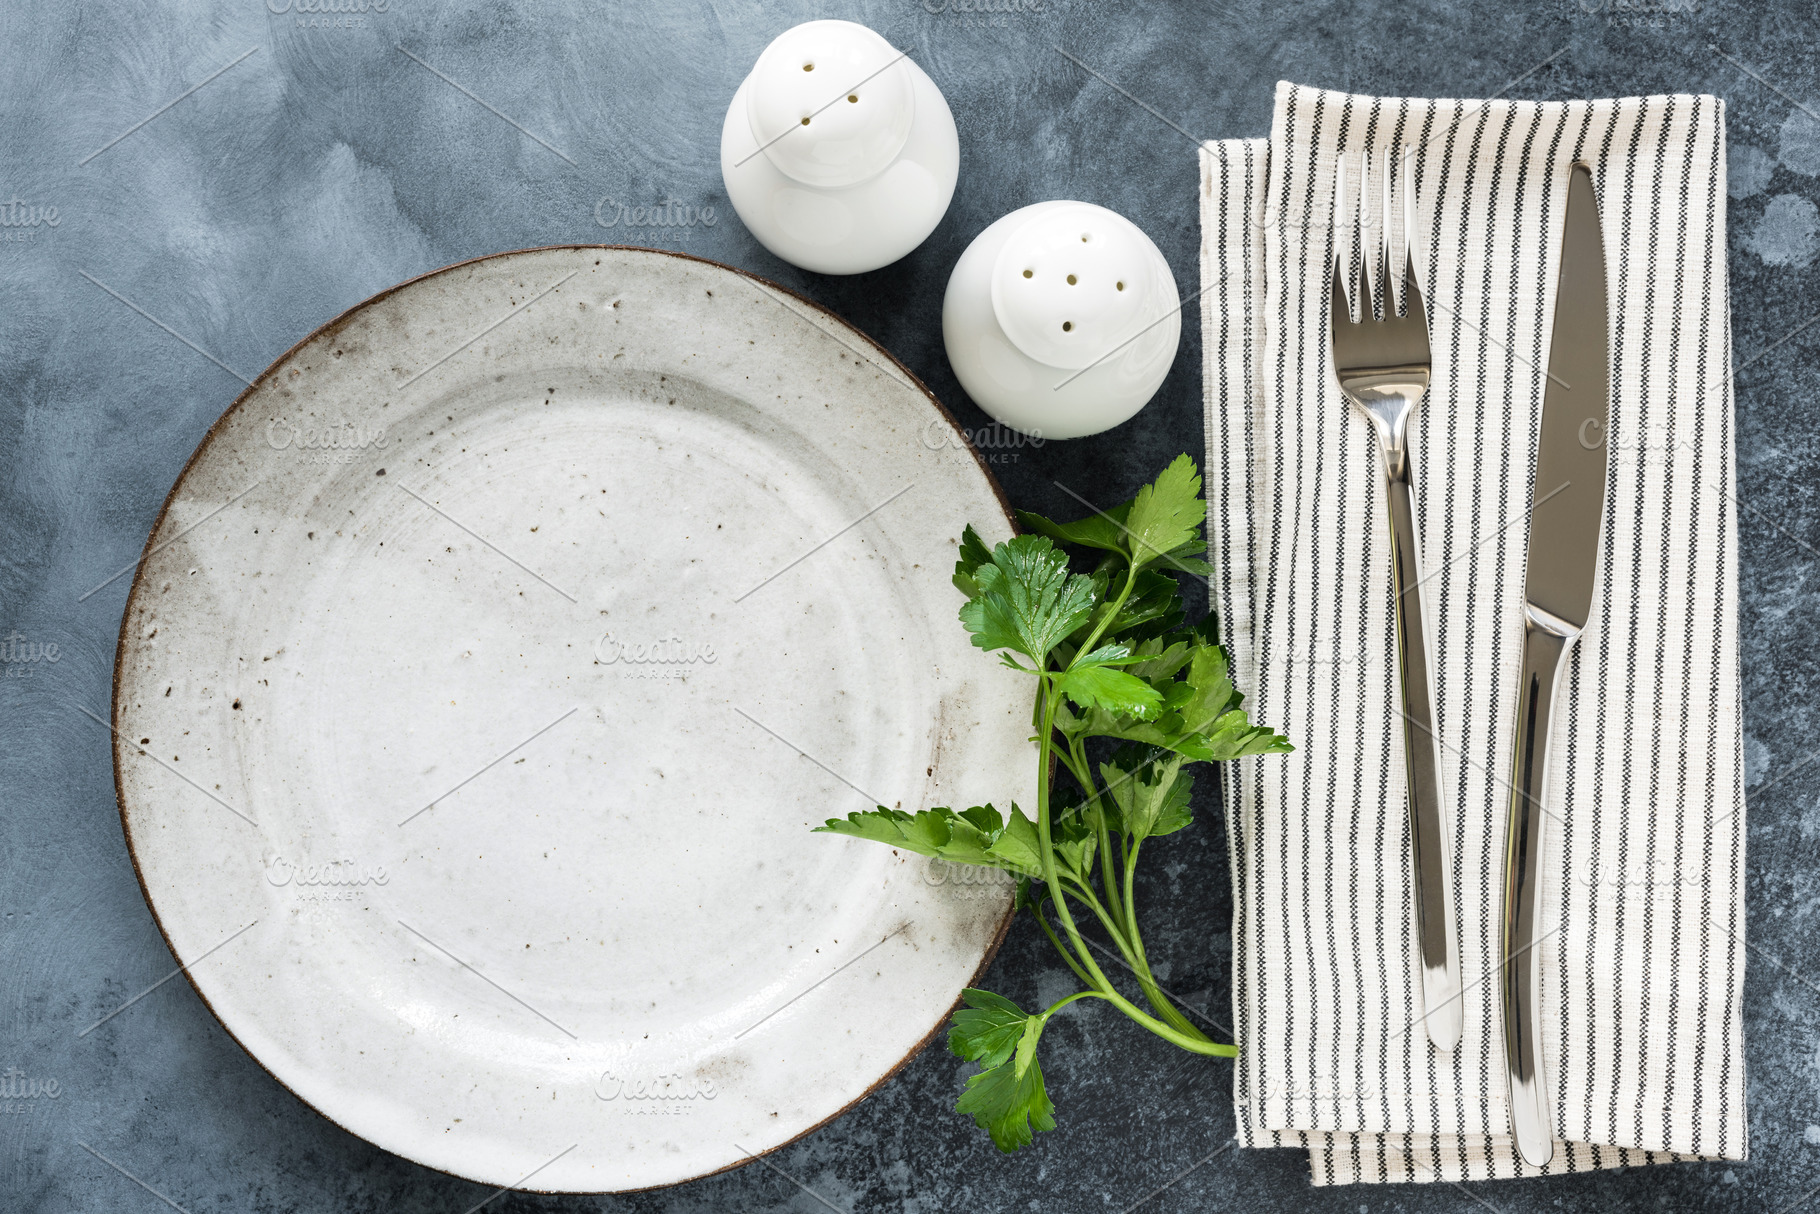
1437	936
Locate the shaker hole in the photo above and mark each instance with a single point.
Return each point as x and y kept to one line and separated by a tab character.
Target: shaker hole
853	97
1028	273
1121	286
805	122
1072	280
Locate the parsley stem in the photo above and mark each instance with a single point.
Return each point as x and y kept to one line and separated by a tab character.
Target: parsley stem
1083	772
1067	760
1065	1000
1046	847
1164	1006
1197	1044
1106	621
1112	926
1061	948
1130	885
1075	757
1131	947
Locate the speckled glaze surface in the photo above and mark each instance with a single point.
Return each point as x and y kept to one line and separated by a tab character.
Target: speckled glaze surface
470	757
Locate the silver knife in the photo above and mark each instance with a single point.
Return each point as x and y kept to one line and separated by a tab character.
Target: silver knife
1565	523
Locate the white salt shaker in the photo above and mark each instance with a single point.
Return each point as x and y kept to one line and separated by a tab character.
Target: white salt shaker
838	152
1061	319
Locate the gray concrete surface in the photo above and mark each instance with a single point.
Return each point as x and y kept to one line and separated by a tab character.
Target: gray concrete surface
325	165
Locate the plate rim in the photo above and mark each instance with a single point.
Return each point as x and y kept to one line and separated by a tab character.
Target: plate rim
332	325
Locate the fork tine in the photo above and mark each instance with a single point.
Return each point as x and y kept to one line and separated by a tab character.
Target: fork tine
1371	215
1342	245
1338	313
1387	282
1369	278
1405	186
1412	290
1358	268
1335	221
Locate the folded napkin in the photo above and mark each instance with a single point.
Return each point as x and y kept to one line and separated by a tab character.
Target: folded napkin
1643	960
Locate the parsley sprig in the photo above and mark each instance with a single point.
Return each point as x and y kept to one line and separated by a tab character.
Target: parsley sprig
1112	658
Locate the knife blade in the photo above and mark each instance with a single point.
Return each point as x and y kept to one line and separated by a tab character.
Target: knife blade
1565	524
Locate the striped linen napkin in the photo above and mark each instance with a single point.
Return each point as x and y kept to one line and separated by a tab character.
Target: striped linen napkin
1643	956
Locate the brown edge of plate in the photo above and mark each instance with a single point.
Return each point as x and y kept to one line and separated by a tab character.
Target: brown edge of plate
331	327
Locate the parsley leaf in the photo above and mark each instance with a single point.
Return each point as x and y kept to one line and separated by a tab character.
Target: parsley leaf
1153	609
1103	530
988	1029
1074	845
1008	1106
1162	523
1163	656
1025	1056
1111	690
1149	792
1166	515
1105	655
972	836
1028	602
1210	711
1201	717
1007	1099
973	554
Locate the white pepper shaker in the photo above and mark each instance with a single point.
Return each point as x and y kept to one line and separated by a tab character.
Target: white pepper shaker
1061	319
838	152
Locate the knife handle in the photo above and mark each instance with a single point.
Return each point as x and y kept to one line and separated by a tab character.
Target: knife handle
1546	641
1437	939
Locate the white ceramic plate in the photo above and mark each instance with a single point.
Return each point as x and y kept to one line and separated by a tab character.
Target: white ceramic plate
487	669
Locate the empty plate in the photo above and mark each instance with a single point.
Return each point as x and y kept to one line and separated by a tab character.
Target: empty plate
485	673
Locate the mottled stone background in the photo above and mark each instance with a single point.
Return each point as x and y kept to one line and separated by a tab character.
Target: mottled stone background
325	165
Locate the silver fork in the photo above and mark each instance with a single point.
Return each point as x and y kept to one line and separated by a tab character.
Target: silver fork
1383	367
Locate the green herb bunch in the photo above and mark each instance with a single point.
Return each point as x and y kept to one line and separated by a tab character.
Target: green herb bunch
1111	657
